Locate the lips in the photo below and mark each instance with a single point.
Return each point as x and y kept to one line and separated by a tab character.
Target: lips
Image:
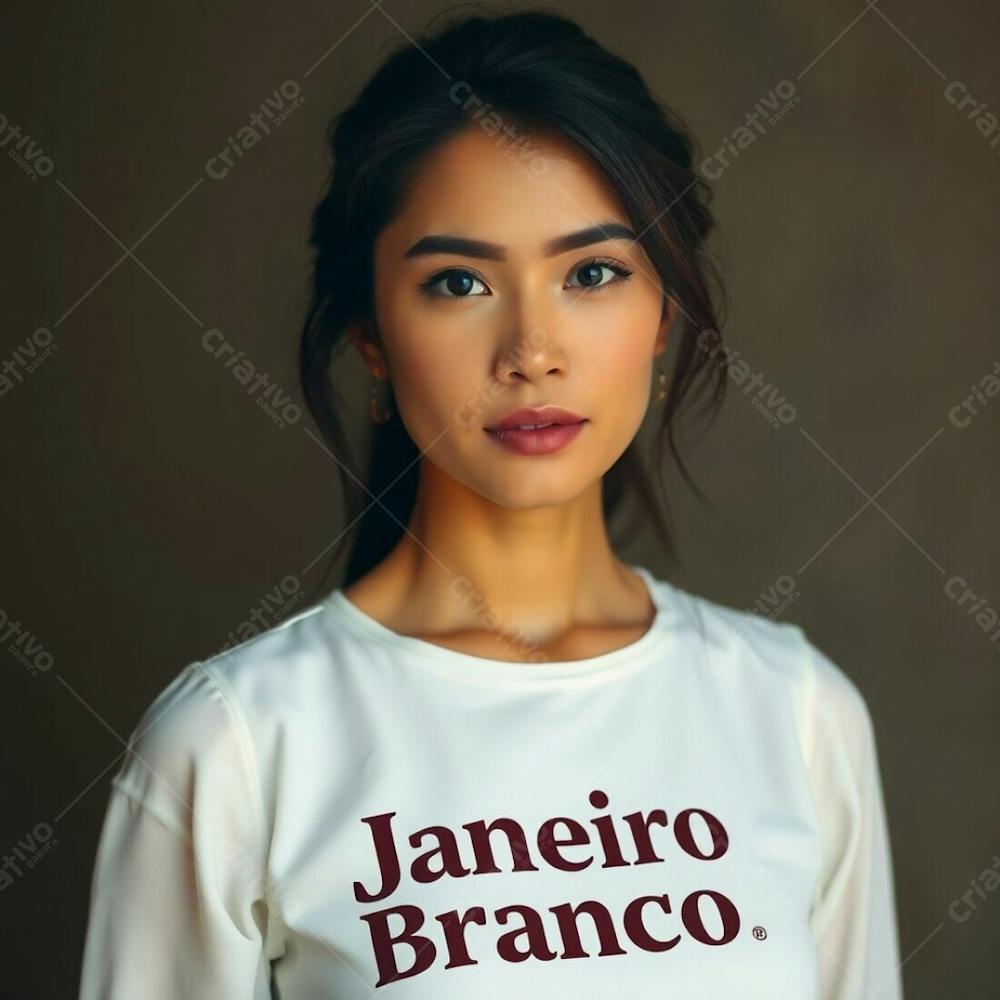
534	417
537	430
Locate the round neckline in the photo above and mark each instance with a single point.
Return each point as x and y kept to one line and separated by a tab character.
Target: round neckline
473	666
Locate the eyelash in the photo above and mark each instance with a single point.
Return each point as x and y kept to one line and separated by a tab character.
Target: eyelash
622	272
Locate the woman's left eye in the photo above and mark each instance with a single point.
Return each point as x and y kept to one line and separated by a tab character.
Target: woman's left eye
592	277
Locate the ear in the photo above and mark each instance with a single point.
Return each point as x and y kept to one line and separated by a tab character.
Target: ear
358	331
666	321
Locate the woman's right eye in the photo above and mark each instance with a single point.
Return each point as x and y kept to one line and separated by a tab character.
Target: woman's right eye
458	284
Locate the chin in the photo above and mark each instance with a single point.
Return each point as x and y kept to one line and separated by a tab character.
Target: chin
529	491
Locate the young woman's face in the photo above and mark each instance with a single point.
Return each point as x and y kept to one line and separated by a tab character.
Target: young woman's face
472	333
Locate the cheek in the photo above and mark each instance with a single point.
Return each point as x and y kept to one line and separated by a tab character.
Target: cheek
619	360
438	379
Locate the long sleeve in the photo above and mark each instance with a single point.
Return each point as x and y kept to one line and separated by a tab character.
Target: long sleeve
176	906
853	916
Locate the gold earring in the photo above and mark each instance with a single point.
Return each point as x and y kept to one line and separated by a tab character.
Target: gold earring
379	418
661	391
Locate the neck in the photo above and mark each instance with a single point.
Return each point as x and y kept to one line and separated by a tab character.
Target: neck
468	563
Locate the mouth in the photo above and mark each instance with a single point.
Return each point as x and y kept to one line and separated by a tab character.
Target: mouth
531	417
539	431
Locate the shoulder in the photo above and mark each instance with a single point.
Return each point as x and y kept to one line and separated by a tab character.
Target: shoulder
187	717
839	723
189	752
197	730
280	669
828	702
766	648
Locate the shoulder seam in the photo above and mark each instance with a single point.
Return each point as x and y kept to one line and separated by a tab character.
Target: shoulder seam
117	785
226	651
176	680
247	752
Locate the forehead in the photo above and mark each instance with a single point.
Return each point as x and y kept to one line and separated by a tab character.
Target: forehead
475	185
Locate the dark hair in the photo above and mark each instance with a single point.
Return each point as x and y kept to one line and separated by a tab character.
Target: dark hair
537	72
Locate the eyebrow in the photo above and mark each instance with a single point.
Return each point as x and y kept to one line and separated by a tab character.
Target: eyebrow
466	247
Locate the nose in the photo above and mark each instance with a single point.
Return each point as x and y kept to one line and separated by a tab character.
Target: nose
534	352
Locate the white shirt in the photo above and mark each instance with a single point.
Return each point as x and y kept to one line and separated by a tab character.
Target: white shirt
305	816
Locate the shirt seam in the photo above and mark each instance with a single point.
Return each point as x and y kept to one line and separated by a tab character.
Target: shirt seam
247	752
270	891
118	785
495	672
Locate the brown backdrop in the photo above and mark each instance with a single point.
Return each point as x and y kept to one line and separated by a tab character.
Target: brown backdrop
150	503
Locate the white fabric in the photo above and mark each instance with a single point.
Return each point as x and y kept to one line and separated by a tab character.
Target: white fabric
706	798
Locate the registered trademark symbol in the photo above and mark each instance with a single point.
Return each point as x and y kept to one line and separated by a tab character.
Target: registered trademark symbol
759	933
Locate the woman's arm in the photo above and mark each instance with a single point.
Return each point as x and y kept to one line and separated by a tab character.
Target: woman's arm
853	915
176	906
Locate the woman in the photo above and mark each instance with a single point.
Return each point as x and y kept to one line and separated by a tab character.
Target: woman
498	761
